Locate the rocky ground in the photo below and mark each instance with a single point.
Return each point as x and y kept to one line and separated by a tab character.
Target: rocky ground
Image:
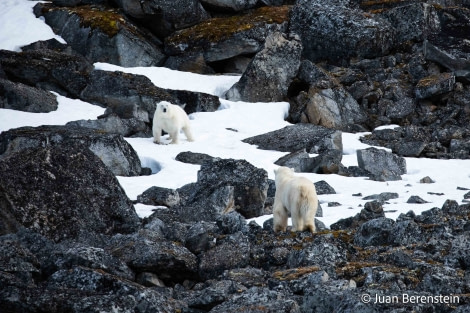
71	240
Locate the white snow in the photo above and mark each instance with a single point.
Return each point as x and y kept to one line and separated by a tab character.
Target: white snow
219	134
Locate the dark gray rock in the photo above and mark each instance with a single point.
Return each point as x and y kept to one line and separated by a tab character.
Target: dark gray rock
170	261
312	138
116	125
214	293
163	17
159	196
434	85
300	161
239	35
323	188
269	74
416	199
328	162
116	153
61	192
50	70
336	30
376	232
372	210
250	184
193	157
233	251
381	164
231	223
92	32
200	237
17	96
229	5
382	197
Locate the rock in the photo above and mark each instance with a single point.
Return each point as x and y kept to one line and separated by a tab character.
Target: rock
250	184
17	96
163	17
159	196
323	188
328	162
235	36
60	72
381	164
312	138
102	34
116	153
61	192
376	232
231	223
384	196
410	149
195	101
193	157
300	161
233	251
434	85
169	261
214	293
271	71
114	124
416	199
336	30
372	210
332	108
200	237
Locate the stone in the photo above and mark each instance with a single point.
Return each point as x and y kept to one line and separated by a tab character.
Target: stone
375	232
21	97
381	164
193	157
159	196
434	85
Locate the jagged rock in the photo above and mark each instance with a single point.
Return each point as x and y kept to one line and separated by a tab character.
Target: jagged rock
269	74
212	294
332	108
195	101
381	164
231	252
372	210
116	125
300	161
336	30
323	188
17	96
61	192
200	237
163	17
193	157
375	232
169	261
51	44
250	184
102	34
312	138
159	196
116	153
328	162
236	35
434	85
50	70
231	223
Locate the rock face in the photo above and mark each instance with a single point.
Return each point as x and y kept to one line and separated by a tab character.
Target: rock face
270	73
62	193
116	153
333	30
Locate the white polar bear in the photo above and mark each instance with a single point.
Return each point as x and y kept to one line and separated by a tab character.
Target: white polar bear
296	195
172	119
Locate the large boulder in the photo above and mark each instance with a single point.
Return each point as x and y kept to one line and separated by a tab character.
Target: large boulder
62	192
50	70
222	38
382	165
334	30
116	153
312	138
102	34
271	71
18	96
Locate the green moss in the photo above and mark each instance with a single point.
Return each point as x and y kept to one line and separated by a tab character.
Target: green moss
217	29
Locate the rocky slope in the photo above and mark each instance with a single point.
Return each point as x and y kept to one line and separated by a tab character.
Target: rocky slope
71	240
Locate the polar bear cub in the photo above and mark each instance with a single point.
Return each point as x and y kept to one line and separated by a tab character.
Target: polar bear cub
296	195
172	119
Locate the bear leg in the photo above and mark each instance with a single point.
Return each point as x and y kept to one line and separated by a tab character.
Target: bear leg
174	137
157	133
279	217
187	133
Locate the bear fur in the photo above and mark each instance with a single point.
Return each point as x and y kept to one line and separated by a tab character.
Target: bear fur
170	118
296	195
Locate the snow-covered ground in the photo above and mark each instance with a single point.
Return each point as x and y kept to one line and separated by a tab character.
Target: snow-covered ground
215	136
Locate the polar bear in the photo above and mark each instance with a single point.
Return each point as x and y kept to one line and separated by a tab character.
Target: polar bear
172	119
296	195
